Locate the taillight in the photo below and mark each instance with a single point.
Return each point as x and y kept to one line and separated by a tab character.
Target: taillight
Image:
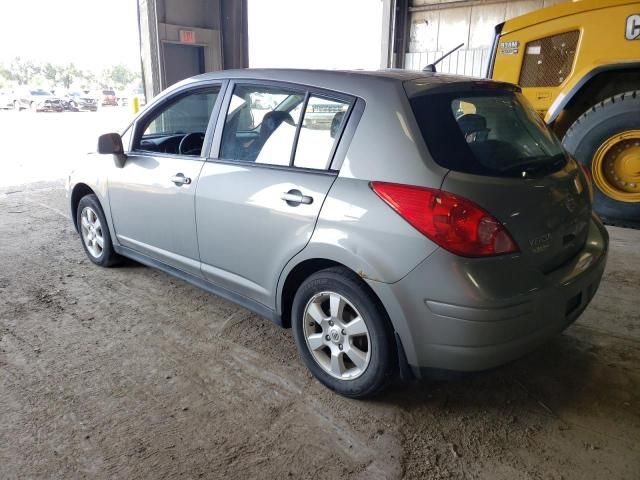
453	222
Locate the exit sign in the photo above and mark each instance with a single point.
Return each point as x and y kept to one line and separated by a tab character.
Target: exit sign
187	36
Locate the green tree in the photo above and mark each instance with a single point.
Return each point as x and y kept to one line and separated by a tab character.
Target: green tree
5	74
68	74
121	75
24	70
51	72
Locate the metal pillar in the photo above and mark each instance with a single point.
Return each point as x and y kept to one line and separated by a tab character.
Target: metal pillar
171	30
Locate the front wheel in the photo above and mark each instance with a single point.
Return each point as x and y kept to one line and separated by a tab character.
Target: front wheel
342	333
94	232
606	140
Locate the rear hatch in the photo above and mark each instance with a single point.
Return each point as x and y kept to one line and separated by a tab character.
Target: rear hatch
502	156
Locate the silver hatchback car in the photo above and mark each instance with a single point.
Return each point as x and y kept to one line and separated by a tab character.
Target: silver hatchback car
432	222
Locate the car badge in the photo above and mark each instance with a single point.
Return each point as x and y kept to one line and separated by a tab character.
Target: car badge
540	243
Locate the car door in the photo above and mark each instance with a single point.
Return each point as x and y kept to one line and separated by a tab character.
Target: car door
152	196
256	207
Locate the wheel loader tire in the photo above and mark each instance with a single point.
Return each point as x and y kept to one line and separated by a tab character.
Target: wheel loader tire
606	140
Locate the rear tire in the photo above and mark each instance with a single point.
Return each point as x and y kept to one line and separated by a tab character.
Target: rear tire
593	140
94	232
353	333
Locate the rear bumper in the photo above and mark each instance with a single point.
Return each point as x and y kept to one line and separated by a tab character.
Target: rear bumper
464	314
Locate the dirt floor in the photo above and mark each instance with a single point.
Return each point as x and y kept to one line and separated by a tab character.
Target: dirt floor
129	373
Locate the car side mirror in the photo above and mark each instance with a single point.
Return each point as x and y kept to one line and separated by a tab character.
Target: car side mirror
111	143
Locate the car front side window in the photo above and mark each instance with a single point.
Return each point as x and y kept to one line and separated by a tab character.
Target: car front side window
179	128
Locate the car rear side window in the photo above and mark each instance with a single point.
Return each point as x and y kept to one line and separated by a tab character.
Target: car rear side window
487	133
280	126
261	124
322	122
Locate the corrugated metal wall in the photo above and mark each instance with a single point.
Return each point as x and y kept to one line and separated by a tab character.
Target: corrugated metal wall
439	25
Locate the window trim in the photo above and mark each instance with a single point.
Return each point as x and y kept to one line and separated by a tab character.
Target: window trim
296	136
142	122
350	100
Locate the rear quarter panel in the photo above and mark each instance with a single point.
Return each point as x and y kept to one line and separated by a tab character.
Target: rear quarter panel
355	227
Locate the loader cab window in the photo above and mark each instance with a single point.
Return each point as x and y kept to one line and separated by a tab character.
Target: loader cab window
548	61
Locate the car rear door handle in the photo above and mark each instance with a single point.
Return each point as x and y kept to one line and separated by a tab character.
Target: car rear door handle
295	197
180	179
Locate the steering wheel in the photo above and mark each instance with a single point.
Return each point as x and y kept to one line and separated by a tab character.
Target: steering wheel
191	144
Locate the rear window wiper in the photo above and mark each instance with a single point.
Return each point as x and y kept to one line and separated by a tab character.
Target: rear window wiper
537	165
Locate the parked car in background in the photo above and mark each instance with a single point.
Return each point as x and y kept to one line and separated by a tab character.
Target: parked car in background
6	99
108	97
320	112
126	98
36	100
400	236
76	101
264	101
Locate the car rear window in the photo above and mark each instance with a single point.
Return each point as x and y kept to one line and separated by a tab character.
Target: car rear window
487	133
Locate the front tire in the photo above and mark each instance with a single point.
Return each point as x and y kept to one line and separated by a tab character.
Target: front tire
342	333
606	140
94	232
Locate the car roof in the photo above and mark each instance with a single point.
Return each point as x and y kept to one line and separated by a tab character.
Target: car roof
347	81
302	75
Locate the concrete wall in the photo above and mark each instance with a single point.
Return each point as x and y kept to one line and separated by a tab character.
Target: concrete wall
437	26
211	21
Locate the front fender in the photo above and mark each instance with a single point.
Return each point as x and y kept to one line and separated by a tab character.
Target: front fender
92	173
579	80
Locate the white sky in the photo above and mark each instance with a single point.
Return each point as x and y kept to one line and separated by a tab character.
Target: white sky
282	33
89	33
315	33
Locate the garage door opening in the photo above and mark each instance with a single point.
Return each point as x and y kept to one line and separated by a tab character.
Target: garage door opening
182	61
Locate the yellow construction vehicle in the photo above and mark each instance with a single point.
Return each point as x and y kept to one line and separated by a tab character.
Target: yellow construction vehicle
578	63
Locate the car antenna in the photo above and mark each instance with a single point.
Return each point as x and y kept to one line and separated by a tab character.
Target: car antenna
432	66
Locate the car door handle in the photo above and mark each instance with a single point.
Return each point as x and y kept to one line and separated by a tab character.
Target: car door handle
295	197
180	179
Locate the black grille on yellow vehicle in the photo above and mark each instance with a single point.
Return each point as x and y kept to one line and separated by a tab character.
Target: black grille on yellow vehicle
548	61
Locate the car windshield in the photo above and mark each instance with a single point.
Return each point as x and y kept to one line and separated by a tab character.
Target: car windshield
488	133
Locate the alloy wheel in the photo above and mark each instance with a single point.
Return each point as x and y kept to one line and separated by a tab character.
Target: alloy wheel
337	335
92	233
